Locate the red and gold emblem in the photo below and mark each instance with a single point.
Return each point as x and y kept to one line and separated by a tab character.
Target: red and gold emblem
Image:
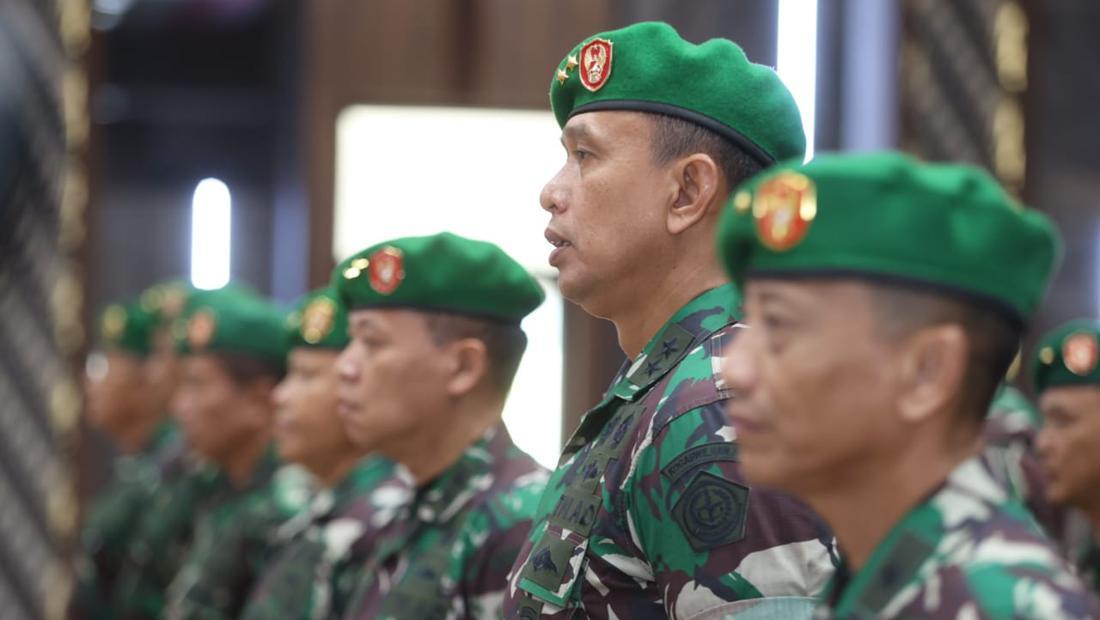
387	269
317	320
200	330
595	64
1079	353
784	207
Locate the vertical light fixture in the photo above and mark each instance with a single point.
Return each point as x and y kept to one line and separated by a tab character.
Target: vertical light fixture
211	217
796	59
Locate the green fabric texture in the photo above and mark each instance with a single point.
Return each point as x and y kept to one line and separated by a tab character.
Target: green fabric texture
649	67
127	327
440	273
1067	355
232	321
946	227
319	321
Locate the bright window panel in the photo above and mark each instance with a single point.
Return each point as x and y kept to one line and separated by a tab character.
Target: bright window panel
477	172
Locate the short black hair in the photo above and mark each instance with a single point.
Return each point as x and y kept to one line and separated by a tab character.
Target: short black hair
994	336
504	342
244	369
675	137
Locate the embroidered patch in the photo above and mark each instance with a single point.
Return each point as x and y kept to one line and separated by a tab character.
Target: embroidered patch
784	207
1079	353
387	270
318	319
712	511
697	456
595	64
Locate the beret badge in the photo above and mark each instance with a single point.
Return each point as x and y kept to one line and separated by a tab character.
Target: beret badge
386	270
595	64
784	207
317	320
1079	353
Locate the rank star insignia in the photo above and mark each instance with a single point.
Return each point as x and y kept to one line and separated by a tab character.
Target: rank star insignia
595	64
784	207
200	330
1080	353
317	320
386	270
570	62
562	76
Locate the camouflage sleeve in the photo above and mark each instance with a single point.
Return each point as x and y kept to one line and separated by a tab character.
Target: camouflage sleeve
998	592
707	536
491	541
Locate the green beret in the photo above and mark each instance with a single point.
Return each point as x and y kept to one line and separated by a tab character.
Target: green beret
1068	356
166	300
127	327
318	321
232	321
886	216
439	273
647	67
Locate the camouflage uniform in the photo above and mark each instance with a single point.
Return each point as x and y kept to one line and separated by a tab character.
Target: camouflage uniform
969	551
163	533
110	524
233	540
1088	566
1010	432
444	550
648	514
298	582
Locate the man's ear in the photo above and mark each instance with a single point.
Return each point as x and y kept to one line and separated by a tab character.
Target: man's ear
934	362
469	363
699	182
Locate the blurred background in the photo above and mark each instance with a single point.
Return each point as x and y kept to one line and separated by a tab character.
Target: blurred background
263	140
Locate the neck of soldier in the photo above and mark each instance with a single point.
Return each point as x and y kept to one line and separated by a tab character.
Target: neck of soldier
240	466
640	318
1091	509
336	470
441	443
134	436
867	499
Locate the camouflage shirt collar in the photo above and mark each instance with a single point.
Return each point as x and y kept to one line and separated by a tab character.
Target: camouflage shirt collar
361	479
965	496
441	499
164	434
688	327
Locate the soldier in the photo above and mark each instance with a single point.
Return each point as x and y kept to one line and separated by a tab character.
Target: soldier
234	355
161	535
885	300
298	582
1067	380
119	403
648	515
435	343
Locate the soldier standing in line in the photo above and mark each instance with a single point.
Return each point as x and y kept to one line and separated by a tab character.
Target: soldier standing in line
886	300
435	344
1067	380
648	514
303	579
234	353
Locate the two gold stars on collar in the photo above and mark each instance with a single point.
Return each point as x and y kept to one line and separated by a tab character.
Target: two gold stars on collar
570	64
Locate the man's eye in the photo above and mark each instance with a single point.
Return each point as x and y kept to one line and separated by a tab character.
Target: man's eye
581	155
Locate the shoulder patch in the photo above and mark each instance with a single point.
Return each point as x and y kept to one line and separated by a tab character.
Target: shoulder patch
712	511
699	455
